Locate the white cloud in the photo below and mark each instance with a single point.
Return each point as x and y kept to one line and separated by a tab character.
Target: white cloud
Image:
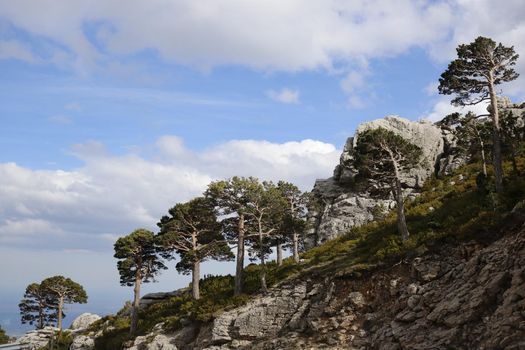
109	196
274	34
12	49
285	95
443	107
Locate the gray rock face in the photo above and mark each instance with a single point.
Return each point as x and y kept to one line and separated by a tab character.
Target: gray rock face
37	338
343	206
84	321
82	342
152	298
157	342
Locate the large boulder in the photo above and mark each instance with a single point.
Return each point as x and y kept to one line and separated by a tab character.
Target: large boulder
84	321
82	342
37	338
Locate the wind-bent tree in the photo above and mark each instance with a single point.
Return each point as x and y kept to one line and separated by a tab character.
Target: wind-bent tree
230	200
294	222
473	77
193	232
381	157
471	134
37	307
138	263
265	208
63	290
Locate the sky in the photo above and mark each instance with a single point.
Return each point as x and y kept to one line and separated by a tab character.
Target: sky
111	112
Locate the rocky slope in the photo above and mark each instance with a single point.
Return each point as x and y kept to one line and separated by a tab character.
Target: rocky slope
470	296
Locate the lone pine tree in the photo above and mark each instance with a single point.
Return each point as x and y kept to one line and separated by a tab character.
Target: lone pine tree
473	77
139	262
381	157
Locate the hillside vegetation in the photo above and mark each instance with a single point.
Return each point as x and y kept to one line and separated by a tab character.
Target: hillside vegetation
452	209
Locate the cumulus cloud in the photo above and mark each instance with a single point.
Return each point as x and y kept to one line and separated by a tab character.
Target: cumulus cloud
251	33
285	95
87	208
442	108
338	36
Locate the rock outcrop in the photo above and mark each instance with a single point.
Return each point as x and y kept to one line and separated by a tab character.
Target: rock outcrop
343	205
83	321
37	338
465	296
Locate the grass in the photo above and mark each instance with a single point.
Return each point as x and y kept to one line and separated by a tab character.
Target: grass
451	209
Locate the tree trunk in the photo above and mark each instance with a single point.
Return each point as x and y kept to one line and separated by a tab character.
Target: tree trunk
60	307
264	287
279	249
195	276
240	257
295	247
40	324
401	220
136	303
483	159
496	136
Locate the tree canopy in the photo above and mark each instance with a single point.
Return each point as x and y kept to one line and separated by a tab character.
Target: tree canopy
63	291
193	232
38	307
138	262
472	78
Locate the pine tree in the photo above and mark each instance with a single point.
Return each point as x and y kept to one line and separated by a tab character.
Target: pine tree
381	157
266	207
294	223
37	307
138	263
63	290
193	232
473	77
230	199
471	133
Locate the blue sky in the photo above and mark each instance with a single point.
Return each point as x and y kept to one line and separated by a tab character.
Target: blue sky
111	115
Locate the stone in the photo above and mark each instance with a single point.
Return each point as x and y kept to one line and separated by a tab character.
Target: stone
38	338
84	321
357	299
82	342
157	342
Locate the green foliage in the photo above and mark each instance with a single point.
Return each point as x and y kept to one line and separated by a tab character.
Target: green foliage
468	76
193	232
38	306
61	341
381	154
4	338
138	252
65	288
450	209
